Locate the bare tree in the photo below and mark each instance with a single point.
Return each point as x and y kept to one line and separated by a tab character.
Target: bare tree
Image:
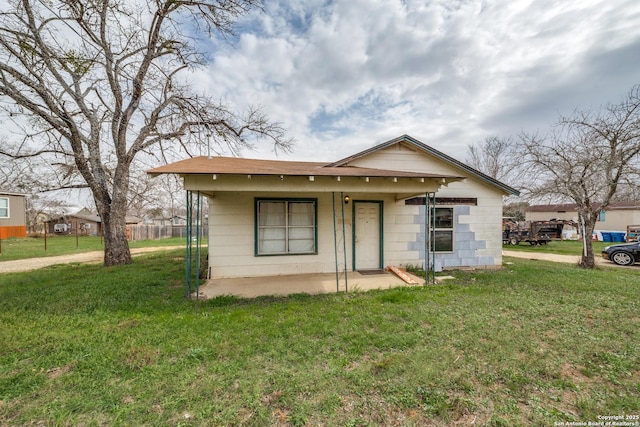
629	187
163	196
39	209
495	157
144	194
96	83
585	159
515	210
7	173
172	196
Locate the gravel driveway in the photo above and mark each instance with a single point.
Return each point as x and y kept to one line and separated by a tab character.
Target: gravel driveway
569	259
85	257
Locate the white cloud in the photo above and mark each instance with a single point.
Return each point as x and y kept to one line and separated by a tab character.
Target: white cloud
343	75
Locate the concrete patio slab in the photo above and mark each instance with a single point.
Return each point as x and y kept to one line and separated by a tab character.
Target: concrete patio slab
251	287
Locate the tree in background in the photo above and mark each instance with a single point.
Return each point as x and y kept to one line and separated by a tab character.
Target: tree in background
161	197
585	159
629	187
95	84
497	157
144	194
494	157
515	210
40	209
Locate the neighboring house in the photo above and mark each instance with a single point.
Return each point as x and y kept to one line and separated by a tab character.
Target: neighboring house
161	221
282	217
84	222
154	220
616	217
178	220
13	214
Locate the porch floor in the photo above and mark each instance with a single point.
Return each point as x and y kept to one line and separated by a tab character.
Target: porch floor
251	287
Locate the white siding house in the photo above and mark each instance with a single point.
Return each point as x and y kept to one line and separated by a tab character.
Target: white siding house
277	218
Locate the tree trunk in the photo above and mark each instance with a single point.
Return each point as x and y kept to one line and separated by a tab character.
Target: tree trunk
116	245
588	259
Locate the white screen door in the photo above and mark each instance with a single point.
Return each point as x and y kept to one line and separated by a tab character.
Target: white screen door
367	236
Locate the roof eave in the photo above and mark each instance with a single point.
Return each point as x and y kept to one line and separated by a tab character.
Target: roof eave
12	193
187	167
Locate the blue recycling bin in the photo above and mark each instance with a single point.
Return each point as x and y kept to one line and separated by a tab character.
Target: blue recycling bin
617	237
606	237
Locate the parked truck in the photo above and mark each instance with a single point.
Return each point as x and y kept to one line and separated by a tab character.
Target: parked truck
62	228
633	233
534	232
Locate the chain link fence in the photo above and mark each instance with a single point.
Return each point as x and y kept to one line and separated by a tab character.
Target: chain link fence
157	232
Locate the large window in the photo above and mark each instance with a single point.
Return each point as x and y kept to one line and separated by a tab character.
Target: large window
442	231
4	207
286	227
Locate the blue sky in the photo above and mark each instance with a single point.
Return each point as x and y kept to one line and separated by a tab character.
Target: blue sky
343	75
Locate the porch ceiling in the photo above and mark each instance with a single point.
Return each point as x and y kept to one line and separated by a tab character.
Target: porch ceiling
402	187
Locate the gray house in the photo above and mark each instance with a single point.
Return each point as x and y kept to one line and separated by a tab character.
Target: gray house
13	214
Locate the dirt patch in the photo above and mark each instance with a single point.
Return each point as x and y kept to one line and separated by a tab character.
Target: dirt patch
57	372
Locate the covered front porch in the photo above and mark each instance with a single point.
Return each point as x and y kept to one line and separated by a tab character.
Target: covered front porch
277	228
282	285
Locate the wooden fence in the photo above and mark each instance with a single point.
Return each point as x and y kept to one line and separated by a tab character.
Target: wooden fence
157	232
13	231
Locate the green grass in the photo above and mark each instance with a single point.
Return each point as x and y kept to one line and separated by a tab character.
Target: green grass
34	247
561	247
533	344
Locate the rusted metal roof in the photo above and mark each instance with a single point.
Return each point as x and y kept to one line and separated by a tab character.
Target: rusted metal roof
242	166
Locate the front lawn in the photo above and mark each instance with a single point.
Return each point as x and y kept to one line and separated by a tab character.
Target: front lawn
36	247
533	344
561	247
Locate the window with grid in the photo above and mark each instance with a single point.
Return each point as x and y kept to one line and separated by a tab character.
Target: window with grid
442	231
285	227
4	207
